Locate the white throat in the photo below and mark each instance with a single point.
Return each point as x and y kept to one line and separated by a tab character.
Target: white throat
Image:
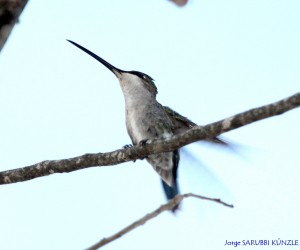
134	90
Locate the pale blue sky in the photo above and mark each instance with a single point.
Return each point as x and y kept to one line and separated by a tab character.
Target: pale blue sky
210	60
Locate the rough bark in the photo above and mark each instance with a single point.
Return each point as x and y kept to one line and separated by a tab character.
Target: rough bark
156	146
10	10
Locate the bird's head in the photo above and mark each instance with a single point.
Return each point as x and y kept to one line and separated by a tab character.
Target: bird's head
131	81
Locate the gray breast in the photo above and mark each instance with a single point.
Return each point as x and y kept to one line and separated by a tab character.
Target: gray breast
147	121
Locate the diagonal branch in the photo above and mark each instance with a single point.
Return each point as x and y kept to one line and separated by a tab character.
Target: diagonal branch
10	10
156	146
169	206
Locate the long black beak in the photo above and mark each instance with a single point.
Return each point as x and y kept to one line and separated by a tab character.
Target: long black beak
112	68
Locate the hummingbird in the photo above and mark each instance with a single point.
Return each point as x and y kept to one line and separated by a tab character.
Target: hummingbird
147	119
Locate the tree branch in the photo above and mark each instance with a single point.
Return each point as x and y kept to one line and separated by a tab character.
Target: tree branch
10	10
169	206
156	146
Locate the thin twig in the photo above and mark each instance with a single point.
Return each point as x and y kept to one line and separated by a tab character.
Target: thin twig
207	198
169	206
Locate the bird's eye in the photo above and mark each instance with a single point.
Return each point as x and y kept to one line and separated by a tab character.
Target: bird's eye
144	76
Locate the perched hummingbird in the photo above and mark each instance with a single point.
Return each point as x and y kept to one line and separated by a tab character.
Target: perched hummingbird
147	119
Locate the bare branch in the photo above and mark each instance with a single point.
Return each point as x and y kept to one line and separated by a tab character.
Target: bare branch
10	10
156	146
169	206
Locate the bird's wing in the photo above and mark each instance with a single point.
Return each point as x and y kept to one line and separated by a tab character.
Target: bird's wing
179	122
182	124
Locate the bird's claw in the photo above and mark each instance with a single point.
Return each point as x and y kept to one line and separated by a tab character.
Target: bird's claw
143	142
128	146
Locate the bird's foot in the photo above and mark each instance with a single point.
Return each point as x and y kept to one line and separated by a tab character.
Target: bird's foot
143	143
128	146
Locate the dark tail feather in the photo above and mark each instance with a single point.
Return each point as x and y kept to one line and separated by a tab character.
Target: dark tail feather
171	192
